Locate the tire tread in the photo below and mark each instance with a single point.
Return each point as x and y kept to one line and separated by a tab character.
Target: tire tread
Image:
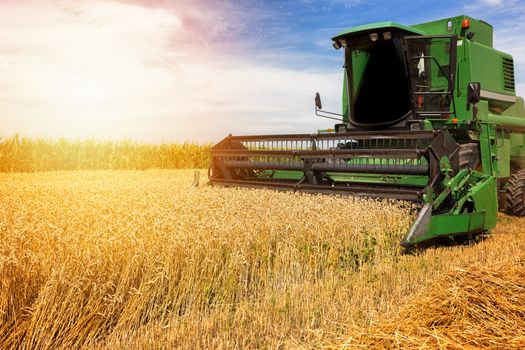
515	201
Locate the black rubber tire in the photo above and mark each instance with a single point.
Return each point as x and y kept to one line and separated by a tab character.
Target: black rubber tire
516	194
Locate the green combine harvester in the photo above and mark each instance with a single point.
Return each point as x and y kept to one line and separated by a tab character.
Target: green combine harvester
430	115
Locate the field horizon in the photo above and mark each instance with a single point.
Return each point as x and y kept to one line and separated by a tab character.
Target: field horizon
28	154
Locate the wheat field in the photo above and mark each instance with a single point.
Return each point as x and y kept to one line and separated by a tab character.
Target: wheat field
141	259
26	154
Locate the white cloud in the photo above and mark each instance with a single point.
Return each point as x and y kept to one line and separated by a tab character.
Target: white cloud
116	70
492	2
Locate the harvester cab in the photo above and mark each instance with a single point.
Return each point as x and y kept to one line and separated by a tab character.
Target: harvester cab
429	115
395	77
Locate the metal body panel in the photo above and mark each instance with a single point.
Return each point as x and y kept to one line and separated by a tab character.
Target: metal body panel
483	30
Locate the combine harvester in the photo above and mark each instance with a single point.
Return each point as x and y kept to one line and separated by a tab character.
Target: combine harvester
430	115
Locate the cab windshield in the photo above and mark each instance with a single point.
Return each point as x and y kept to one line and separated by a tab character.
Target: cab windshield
385	85
377	80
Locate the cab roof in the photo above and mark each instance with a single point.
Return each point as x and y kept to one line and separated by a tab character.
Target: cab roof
375	26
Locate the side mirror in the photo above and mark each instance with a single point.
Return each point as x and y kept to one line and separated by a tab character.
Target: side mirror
325	114
318	101
473	93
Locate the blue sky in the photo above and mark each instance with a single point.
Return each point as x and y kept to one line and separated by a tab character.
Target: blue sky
304	27
296	34
195	70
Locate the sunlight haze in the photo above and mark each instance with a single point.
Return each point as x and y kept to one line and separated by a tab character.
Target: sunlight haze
166	71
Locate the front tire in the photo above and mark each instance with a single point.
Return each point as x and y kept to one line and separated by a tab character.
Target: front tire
515	203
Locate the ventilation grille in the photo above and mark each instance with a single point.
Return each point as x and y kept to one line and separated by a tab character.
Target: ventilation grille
508	74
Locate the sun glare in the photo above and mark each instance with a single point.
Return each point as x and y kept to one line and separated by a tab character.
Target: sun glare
83	91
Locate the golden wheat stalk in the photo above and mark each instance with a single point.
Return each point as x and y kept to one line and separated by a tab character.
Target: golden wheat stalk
22	154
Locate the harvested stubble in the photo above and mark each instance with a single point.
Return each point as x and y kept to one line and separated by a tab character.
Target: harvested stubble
470	308
140	259
478	303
